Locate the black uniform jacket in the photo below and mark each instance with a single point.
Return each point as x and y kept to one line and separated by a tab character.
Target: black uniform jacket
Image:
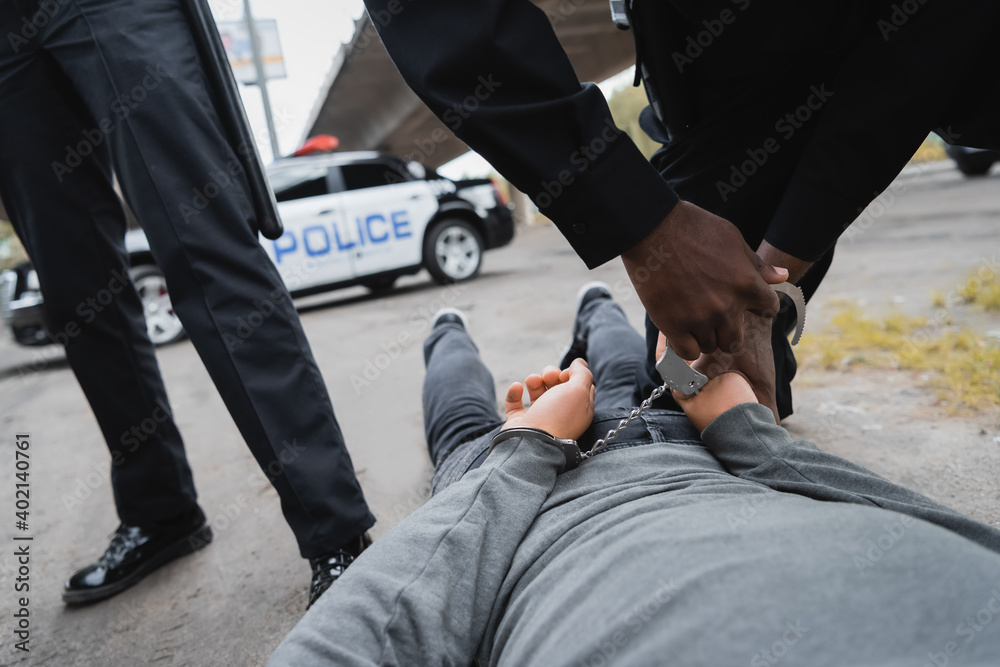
786	117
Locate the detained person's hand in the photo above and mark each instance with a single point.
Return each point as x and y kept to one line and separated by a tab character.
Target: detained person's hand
720	393
562	402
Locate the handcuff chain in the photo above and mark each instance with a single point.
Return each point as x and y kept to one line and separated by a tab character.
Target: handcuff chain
613	433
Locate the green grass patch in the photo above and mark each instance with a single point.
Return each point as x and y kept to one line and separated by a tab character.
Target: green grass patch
981	291
961	366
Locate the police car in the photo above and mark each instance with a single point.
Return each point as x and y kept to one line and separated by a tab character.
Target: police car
972	161
356	218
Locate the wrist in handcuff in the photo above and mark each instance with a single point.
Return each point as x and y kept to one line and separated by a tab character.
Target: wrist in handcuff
569	448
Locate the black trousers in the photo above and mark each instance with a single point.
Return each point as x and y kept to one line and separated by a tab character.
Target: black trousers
94	87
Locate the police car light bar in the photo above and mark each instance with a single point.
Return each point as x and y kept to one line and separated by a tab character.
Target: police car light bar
321	143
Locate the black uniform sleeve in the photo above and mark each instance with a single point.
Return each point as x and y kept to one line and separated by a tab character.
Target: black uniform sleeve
905	77
495	74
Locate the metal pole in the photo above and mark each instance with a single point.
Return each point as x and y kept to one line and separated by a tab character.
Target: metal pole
258	65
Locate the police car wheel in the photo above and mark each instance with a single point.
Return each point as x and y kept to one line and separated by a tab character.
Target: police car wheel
162	323
453	251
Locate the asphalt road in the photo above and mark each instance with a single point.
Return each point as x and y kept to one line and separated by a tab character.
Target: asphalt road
232	602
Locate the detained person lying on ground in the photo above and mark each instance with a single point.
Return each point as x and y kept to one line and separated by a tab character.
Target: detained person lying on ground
743	547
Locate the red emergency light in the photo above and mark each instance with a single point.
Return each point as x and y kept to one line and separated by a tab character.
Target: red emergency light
321	143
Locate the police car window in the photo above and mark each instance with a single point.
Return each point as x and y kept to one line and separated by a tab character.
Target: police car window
298	181
370	175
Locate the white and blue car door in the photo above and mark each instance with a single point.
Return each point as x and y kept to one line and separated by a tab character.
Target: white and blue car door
387	216
317	246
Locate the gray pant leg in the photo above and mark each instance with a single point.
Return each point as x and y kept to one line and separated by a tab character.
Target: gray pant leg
459	403
747	442
615	352
458	396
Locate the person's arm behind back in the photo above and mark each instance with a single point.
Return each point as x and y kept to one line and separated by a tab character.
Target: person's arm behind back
422	594
751	446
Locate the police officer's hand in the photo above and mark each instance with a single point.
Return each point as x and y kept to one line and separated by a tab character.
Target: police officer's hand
696	276
754	361
562	402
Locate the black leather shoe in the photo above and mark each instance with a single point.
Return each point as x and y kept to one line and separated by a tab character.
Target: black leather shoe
134	552
329	567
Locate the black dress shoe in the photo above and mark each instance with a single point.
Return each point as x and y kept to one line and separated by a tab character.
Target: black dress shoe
327	568
134	552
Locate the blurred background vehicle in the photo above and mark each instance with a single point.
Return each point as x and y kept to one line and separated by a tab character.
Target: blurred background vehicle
972	161
355	218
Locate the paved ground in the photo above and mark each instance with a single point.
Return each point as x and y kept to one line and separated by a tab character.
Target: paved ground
231	603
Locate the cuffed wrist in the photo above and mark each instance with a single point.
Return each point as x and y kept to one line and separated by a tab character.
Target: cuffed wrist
569	449
744	436
736	420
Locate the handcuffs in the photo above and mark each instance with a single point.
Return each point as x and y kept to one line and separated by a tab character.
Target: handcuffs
677	374
569	448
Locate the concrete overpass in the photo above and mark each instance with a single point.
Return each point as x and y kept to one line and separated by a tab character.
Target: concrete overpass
365	103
